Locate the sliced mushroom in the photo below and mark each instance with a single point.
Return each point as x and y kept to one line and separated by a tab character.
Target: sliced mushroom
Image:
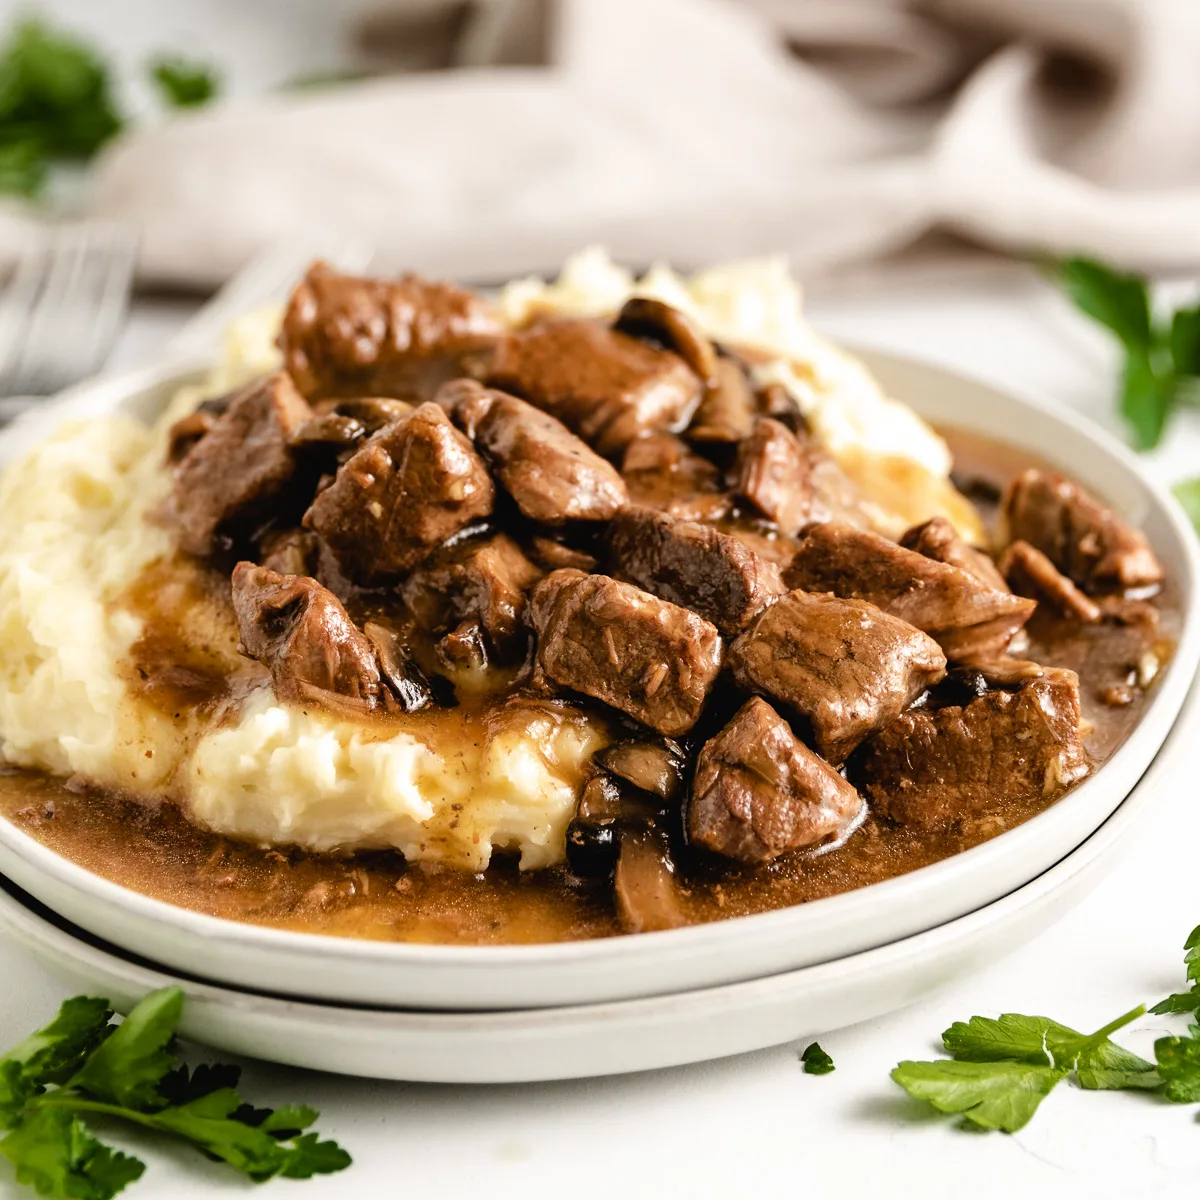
642	317
329	429
654	767
374	412
397	667
644	887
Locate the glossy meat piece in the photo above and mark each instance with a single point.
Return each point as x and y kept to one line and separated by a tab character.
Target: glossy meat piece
759	791
346	336
409	487
965	616
937	538
620	645
1031	573
932	767
774	474
237	471
1085	540
606	386
692	565
661	472
727	410
483	580
844	667
553	476
301	633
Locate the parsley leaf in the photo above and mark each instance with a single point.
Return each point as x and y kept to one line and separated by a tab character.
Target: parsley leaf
1189	1001
1162	359
184	83
1002	1068
816	1061
80	1064
990	1095
1179	1066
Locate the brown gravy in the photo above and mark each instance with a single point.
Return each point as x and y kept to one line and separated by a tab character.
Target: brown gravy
378	896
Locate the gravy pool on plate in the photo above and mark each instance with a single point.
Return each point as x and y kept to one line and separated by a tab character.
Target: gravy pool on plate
610	607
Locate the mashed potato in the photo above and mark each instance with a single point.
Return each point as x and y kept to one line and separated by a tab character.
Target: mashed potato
78	532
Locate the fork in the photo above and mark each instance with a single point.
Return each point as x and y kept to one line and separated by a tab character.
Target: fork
62	310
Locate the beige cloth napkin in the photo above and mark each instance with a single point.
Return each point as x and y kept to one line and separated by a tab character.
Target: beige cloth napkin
838	131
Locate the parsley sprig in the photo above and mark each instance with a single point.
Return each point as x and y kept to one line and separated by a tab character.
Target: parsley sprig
83	1065
1161	371
1001	1069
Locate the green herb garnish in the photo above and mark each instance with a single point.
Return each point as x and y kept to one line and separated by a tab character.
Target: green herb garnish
816	1061
82	1064
184	83
1162	356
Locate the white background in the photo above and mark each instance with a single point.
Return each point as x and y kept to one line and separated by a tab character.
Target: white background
757	1125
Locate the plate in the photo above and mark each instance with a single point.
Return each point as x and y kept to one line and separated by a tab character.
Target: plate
508	977
600	1039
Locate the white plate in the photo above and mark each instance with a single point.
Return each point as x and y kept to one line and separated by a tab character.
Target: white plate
604	1039
506	977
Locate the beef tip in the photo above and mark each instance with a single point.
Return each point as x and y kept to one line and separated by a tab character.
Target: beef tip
373	412
933	767
654	767
726	412
661	472
652	660
483	580
301	633
407	489
238	470
345	336
1032	574
405	679
642	317
553	476
844	667
692	565
759	791
552	554
289	552
965	616
1086	541
773	473
937	538
644	886
604	385
774	400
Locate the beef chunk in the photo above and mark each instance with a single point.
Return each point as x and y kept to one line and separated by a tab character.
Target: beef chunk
654	767
1031	573
693	565
726	412
644	886
932	767
409	487
759	791
844	667
237	470
605	385
186	432
344	336
773	473
483	580
938	539
609	640
965	616
553	476
300	631
1085	540
661	472
643	317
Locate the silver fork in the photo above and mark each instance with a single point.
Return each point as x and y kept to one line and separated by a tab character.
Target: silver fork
62	310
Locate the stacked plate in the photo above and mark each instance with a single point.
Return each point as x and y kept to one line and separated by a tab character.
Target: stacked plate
492	1014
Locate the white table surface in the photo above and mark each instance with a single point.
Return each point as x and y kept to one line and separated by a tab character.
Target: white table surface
756	1125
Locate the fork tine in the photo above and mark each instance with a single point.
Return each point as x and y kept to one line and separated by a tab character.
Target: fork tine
16	305
112	261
